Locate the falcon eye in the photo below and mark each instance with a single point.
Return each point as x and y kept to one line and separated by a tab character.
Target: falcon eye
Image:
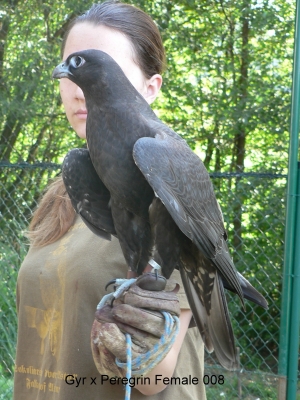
77	61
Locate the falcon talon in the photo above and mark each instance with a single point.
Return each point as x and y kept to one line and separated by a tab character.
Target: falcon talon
116	282
111	282
112	301
123	285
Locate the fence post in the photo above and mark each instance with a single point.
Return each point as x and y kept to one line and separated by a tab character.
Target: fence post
293	352
287	325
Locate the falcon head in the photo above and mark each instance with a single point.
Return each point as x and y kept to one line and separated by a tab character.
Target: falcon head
88	66
98	75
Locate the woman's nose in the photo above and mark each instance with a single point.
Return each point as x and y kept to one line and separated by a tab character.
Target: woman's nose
79	93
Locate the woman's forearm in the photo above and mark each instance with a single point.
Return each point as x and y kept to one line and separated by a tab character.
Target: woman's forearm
166	367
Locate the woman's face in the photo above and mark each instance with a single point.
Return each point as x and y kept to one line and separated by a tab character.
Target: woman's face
87	36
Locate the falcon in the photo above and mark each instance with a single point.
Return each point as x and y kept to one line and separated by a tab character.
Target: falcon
141	182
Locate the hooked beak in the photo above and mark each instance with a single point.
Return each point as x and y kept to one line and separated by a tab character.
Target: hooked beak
61	71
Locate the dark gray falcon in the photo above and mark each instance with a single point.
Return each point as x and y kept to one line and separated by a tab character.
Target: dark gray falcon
141	182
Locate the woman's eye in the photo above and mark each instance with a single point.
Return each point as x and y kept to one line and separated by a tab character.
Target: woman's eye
77	61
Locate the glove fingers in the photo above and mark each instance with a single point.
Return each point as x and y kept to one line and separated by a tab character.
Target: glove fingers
140	337
167	301
133	312
114	340
104	314
103	358
145	320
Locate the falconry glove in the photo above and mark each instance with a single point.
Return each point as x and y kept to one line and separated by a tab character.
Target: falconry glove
137	312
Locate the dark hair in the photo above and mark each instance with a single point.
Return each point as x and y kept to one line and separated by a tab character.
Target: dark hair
138	26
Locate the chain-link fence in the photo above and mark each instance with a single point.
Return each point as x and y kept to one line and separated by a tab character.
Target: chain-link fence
259	257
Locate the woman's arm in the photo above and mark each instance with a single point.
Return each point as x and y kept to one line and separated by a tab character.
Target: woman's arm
167	366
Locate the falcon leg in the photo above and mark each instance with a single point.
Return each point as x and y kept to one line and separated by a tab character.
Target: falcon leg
167	238
134	234
155	267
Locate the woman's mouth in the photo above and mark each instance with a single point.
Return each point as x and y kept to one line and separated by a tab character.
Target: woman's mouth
81	113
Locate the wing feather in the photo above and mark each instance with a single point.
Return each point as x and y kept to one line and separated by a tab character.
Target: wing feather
89	197
181	181
214	325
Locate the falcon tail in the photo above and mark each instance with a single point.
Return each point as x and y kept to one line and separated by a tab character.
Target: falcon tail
214	325
249	292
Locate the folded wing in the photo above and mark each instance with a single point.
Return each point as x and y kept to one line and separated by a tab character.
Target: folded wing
89	196
180	180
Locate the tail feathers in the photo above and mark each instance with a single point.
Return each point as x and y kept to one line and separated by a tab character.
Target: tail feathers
221	329
249	292
199	312
214	326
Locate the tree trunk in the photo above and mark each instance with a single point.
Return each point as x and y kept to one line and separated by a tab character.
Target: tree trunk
240	137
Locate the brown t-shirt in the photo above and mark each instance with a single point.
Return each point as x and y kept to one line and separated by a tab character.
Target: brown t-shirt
59	287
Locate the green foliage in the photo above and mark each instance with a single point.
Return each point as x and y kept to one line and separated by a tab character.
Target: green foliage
229	73
6	386
10	261
243	386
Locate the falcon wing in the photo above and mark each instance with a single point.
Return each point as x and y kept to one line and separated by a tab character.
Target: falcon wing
181	181
88	195
249	292
215	328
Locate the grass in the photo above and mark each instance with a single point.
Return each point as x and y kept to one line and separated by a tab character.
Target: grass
253	385
243	386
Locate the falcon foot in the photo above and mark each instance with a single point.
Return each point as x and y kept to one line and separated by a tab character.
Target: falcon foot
155	267
149	281
152	281
111	282
121	284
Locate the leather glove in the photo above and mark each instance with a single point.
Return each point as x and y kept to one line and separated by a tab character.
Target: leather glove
137	312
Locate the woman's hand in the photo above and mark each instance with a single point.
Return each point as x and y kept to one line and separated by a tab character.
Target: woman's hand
137	312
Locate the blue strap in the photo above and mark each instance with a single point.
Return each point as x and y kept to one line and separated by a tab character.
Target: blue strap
128	369
144	363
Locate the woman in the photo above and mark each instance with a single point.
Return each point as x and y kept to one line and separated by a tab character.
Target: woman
63	276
